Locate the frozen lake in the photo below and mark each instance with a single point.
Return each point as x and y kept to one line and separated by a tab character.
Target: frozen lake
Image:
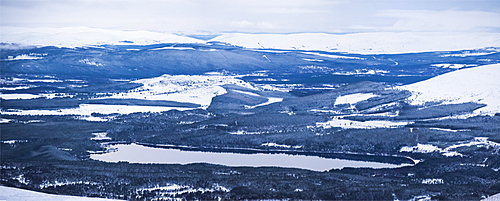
134	153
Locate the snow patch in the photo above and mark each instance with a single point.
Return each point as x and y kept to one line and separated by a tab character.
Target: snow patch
269	101
272	144
454	66
432	181
197	89
353	98
332	56
100	136
349	124
22	57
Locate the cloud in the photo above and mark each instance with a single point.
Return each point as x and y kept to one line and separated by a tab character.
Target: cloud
248	24
276	16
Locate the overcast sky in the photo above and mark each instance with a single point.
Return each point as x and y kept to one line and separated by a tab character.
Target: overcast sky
257	16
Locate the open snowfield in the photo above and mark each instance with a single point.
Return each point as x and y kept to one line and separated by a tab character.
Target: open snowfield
479	84
15	194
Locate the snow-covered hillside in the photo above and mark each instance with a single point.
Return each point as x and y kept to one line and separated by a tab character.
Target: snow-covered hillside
479	84
366	43
84	36
9	193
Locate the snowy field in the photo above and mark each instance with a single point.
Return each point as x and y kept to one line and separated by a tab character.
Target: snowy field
16	194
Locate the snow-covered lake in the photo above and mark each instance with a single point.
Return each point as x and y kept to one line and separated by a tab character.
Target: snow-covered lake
134	153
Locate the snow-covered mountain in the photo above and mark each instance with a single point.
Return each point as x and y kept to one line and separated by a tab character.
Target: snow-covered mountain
366	43
479	84
84	36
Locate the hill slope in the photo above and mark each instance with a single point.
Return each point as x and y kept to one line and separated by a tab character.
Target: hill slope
479	84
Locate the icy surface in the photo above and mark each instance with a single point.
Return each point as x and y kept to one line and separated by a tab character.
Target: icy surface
141	154
479	84
365	43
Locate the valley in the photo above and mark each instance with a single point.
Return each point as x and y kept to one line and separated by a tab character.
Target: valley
430	119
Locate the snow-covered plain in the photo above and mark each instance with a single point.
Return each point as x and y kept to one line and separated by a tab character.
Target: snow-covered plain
9	193
479	84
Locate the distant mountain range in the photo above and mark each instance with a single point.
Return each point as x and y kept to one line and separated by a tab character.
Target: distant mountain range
364	43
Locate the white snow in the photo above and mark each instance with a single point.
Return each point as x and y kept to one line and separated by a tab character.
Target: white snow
5	121
361	72
365	43
317	60
270	100
32	96
449	130
13	88
100	136
85	110
22	57
432	181
428	148
44	80
84	36
47	184
272	144
9	193
353	98
468	53
197	89
455	66
479	84
18	96
246	92
495	197
175	189
349	124
91	63
174	48
332	56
